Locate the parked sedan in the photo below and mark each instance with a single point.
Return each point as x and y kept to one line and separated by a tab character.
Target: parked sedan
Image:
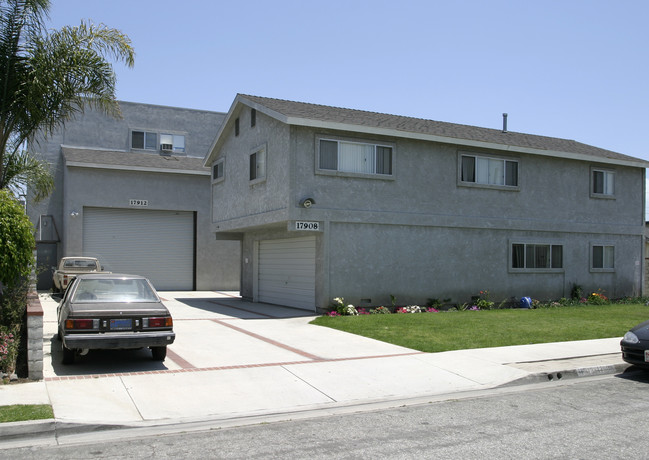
111	311
635	345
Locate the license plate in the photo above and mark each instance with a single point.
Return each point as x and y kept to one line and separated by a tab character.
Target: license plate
121	324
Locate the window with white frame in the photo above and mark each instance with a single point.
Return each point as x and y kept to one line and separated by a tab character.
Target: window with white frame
485	170
355	157
218	170
258	164
602	182
149	140
144	140
537	256
172	142
603	257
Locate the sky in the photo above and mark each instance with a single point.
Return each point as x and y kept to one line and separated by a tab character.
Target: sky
573	69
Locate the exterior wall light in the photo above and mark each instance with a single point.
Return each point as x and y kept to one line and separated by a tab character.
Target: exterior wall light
307	202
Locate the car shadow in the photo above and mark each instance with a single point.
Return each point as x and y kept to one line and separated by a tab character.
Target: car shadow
104	362
242	309
635	373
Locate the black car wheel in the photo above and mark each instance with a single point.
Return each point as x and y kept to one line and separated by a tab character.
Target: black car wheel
159	353
68	355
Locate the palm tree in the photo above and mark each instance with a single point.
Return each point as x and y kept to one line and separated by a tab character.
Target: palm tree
45	79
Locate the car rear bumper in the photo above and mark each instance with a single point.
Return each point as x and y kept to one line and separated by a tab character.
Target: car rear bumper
116	340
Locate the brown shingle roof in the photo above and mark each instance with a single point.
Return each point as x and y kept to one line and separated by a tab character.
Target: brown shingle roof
139	160
352	117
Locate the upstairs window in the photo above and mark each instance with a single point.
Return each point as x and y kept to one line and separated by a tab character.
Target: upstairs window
172	142
148	140
258	164
488	171
602	182
218	171
537	256
253	118
144	140
355	157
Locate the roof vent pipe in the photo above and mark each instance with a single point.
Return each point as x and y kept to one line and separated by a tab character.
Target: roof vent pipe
504	122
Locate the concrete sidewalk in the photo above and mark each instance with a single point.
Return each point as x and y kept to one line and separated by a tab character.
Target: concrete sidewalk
235	359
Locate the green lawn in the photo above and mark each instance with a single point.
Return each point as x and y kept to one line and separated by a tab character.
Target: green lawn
22	412
444	331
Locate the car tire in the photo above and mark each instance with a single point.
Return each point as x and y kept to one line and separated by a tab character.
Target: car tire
159	353
68	355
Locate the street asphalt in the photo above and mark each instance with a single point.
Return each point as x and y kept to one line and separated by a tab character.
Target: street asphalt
237	360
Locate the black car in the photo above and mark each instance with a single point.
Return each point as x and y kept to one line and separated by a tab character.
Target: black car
111	311
635	345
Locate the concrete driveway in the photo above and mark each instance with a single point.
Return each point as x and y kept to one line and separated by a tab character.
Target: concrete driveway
233	358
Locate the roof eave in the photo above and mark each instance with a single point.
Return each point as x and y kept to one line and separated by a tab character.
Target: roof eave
308	122
80	164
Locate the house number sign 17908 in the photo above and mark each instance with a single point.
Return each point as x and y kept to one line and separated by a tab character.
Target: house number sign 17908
301	225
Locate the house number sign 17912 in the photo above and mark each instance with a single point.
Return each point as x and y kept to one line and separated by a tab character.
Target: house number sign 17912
301	225
142	203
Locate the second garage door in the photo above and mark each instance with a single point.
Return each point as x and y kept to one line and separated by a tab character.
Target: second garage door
287	272
155	244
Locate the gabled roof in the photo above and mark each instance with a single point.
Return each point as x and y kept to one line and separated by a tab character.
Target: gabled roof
325	117
151	162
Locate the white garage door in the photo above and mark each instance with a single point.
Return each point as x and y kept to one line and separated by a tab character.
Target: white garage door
155	244
287	272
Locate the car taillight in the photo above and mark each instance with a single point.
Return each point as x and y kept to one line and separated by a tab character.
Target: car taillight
163	321
81	324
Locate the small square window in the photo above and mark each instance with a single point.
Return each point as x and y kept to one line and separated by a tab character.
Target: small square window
603	257
173	142
144	140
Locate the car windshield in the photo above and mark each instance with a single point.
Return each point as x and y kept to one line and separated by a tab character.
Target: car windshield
113	290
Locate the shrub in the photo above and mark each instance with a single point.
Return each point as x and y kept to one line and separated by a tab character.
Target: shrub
16	240
409	309
9	342
380	311
597	298
342	309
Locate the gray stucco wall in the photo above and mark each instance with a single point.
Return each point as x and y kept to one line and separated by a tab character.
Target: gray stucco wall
261	201
217	262
422	233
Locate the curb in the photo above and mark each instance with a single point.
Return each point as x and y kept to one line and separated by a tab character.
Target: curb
592	371
38	429
16	431
31	428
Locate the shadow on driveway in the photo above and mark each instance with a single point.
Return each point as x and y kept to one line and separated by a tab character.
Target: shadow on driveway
241	309
104	362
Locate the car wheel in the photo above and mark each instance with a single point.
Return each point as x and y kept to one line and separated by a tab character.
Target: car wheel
159	353
68	355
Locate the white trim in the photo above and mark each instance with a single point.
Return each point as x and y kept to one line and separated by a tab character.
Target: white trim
137	168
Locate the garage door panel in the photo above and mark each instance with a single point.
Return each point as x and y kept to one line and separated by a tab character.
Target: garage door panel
287	272
155	244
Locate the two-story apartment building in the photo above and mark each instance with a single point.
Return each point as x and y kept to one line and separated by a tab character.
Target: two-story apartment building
331	202
134	193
